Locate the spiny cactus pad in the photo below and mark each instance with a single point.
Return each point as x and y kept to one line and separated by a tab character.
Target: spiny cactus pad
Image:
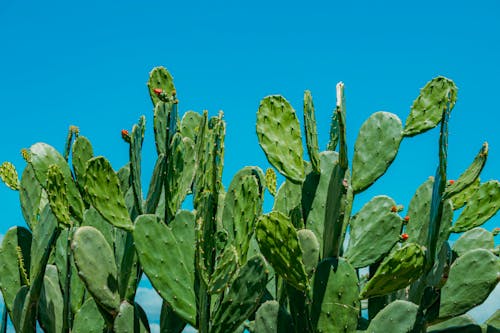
398	270
162	247
471	279
278	242
374	231
375	148
482	205
427	109
102	188
278	131
96	265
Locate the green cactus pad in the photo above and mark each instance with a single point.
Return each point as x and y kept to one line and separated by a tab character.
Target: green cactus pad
375	148
96	265
42	156
310	250
243	203
160	78
270	318
8	173
335	305
226	266
161	248
271	181
438	94
399	316
56	191
156	185
334	133
288	198
243	297
88	319
460	324
278	242
136	140
181	170
398	270
318	194
190	125
92	218
311	132
102	187
460	199
30	194
477	238
42	234
470	175
482	205
130	320
160	125
278	131
471	279
10	276
419	212
50	307
374	231
82	152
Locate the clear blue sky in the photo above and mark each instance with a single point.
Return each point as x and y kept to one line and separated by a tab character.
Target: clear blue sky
86	63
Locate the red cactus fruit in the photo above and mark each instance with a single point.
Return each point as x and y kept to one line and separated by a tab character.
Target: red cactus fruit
407	218
394	209
125	135
451	182
158	91
404	236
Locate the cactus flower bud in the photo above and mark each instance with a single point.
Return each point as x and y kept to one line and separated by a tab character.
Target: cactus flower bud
394	209
158	91
404	237
125	135
496	231
451	182
406	219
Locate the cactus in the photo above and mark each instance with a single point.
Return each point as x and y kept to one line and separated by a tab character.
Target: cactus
92	235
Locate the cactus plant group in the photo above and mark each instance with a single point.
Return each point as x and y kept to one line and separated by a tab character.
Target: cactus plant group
228	266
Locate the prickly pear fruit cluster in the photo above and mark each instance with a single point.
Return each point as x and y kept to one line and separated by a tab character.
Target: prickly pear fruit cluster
93	232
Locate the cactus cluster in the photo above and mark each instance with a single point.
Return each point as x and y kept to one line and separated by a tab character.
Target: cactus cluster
227	266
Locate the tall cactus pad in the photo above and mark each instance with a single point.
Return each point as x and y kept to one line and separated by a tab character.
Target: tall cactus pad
190	125
102	187
311	132
30	194
398	270
335	302
10	275
82	152
136	140
8	173
419	212
278	131
162	248
398	316
471	279
242	298
470	175
278	242
438	94
96	265
42	156
483	204
477	238
375	148
374	231
56	192
160	78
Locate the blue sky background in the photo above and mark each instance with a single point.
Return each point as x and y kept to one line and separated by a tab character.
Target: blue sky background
86	64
